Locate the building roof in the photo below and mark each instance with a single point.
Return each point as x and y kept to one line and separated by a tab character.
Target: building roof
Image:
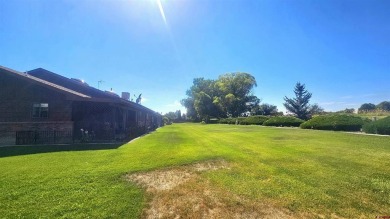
39	81
71	84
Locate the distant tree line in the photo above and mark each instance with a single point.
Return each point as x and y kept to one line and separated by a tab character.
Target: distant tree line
370	107
176	116
231	95
383	106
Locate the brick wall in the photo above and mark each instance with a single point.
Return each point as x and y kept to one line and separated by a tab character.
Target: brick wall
18	96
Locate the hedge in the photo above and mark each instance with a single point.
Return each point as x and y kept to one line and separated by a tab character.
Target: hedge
254	120
336	122
213	121
251	120
228	121
381	126
283	121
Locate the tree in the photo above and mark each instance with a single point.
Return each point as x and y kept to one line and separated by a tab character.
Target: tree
189	105
347	110
265	109
170	115
204	106
178	116
385	106
174	116
366	107
195	99
229	95
235	93
166	121
299	106
315	109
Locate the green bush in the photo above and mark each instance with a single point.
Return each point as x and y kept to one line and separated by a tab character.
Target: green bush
213	121
336	122
381	126
227	121
240	120
254	120
283	121
233	121
166	121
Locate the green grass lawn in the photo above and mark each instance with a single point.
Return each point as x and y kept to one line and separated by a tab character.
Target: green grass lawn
304	171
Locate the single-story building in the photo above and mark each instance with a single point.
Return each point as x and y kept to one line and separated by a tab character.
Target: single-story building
42	107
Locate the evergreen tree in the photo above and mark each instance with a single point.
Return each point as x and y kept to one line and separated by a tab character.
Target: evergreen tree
299	106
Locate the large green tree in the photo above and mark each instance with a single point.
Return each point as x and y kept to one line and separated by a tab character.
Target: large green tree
200	98
299	105
235	93
229	95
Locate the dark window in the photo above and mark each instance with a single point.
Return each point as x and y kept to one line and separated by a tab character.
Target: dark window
40	110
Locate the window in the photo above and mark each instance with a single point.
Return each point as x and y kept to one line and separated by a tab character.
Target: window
40	110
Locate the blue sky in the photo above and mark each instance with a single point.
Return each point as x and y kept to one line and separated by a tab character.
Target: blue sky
339	48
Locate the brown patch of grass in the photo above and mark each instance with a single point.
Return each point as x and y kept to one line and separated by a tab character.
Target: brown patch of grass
168	179
183	193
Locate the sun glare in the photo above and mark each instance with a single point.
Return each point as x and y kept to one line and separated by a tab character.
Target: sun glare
162	11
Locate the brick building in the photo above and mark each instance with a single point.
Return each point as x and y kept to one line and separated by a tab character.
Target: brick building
41	107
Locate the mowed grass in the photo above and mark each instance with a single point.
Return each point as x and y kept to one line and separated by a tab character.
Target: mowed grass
309	173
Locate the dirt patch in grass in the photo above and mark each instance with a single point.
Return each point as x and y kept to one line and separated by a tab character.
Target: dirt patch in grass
183	193
168	179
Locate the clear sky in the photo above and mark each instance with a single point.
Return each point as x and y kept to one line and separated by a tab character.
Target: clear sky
339	48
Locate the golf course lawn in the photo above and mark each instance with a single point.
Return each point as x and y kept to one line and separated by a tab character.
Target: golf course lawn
304	173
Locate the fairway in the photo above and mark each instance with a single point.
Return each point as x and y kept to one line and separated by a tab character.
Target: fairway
272	172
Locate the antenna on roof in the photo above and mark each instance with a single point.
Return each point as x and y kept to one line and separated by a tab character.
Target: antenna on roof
99	83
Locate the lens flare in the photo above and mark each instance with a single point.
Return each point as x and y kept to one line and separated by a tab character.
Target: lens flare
162	11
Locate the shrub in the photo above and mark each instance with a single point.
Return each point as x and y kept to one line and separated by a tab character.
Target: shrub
239	120
254	120
227	121
381	126
166	121
213	121
283	121
336	122
233	121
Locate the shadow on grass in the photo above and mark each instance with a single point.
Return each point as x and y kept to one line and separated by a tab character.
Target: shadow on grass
9	151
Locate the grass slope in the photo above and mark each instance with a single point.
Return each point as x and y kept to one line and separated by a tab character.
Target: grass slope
305	171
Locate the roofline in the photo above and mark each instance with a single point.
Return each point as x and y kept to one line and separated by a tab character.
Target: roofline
44	83
41	82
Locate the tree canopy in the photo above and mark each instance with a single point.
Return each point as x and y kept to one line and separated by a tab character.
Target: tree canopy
385	106
366	107
265	109
229	95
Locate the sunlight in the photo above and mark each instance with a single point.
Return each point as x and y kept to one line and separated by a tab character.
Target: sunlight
162	11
